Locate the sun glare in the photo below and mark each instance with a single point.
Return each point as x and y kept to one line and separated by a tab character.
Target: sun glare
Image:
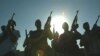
57	22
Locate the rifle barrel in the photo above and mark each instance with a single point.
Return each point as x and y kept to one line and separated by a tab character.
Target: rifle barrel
97	19
50	13
12	16
77	12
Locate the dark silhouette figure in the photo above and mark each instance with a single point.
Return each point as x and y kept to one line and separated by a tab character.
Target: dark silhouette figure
8	46
96	38
76	35
38	39
85	38
66	42
90	42
96	28
34	39
2	35
85	41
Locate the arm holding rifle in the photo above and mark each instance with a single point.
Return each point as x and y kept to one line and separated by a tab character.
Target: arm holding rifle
47	27
10	31
77	35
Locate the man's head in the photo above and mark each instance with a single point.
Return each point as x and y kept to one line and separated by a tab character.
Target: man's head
3	28
86	26
12	23
38	24
65	26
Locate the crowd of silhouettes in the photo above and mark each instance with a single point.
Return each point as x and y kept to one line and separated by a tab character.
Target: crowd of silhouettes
65	44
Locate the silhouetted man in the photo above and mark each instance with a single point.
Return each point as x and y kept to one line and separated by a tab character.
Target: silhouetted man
8	46
2	35
33	38
38	39
66	42
85	38
90	41
76	36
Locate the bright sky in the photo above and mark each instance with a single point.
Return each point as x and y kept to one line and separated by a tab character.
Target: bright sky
27	11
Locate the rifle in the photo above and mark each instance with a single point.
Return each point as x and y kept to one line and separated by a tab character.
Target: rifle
46	28
12	21
97	19
47	25
25	42
95	24
49	18
74	24
12	16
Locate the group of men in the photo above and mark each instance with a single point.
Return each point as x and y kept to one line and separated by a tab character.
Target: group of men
65	44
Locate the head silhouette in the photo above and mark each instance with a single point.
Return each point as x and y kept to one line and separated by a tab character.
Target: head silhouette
86	26
3	28
12	23
38	24
65	26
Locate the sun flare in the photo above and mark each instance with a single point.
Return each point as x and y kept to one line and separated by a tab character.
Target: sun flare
57	22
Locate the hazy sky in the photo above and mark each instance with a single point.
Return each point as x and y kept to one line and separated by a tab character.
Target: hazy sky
27	11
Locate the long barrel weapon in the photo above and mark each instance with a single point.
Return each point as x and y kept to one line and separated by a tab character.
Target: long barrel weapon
12	21
97	19
12	16
75	20
95	24
47	25
50	13
25	42
49	18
